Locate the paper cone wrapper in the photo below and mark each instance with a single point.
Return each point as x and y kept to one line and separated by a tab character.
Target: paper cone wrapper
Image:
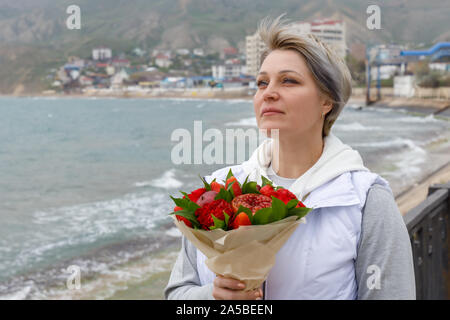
247	253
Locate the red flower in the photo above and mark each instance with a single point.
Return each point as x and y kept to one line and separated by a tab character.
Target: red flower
284	195
267	190
237	191
215	186
216	208
194	195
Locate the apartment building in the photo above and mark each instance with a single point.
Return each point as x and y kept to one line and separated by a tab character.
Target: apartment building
331	32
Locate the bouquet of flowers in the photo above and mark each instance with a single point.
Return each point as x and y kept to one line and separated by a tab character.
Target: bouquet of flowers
239	227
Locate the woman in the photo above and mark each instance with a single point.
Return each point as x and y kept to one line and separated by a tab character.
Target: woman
354	244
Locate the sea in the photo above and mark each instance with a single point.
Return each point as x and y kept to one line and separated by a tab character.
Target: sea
85	183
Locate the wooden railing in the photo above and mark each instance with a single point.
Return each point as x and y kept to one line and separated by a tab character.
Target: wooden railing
428	227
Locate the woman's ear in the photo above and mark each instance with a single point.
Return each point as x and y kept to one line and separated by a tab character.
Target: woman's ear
327	106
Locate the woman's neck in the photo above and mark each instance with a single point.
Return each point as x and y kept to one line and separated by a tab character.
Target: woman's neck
296	155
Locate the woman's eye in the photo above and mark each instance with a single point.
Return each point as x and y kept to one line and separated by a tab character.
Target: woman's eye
289	80
261	83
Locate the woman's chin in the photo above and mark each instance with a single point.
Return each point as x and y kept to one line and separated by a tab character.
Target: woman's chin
270	131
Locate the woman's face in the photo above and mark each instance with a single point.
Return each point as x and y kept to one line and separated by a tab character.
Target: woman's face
287	97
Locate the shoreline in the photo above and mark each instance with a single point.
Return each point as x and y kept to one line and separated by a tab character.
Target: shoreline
418	192
411	104
200	94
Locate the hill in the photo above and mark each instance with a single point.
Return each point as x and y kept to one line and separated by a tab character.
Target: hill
34	36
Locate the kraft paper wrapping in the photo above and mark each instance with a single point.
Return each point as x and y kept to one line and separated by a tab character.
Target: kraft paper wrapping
247	253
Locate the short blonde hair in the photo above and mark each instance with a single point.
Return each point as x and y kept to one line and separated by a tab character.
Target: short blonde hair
329	71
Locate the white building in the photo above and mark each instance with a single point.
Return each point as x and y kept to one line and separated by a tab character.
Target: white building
439	66
227	71
101	53
183	52
254	49
331	32
118	78
386	71
404	86
163	61
199	52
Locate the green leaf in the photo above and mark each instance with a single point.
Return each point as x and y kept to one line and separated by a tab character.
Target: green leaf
263	216
188	215
279	210
291	204
265	181
185	194
180	202
185	203
229	175
243	186
299	212
230	188
206	184
227	220
224	194
218	224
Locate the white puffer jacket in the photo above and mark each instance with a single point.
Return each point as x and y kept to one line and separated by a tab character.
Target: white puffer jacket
320	254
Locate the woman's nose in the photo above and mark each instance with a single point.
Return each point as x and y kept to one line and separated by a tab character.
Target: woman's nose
270	93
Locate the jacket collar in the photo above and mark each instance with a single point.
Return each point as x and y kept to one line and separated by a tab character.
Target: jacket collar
337	158
338	192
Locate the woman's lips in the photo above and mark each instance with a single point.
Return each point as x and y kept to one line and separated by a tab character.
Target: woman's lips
271	113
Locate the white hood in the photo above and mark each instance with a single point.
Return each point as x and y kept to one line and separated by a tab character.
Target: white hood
336	159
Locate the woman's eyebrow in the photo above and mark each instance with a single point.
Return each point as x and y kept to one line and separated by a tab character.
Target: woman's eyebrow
281	72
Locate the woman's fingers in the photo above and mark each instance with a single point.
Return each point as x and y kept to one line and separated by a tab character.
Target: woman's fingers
232	289
227	294
229	283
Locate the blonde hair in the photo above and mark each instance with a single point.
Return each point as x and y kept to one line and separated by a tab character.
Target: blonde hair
329	71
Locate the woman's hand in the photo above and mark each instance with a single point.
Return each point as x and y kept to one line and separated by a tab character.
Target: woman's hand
232	289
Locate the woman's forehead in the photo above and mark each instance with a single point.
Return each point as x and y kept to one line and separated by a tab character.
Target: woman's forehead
283	60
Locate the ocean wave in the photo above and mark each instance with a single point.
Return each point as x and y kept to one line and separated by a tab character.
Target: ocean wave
143	184
166	181
355	126
391	144
237	101
354	106
419	119
246	122
108	283
20	294
102	273
63	232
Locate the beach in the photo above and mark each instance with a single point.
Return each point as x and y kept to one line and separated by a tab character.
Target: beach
418	192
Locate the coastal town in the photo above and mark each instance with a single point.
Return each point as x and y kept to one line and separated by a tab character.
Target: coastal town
392	70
